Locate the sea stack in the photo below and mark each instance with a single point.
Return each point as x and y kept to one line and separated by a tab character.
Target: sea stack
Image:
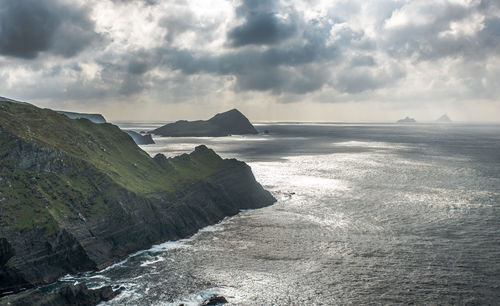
232	122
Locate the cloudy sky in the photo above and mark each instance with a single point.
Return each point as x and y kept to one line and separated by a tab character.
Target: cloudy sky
352	60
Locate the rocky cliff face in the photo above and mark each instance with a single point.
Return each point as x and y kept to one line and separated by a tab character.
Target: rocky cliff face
232	122
140	139
77	295
77	196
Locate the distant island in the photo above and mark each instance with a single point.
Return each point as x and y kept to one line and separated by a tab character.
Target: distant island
140	139
444	118
407	120
232	122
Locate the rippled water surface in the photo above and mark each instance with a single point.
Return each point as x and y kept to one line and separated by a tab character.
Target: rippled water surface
365	214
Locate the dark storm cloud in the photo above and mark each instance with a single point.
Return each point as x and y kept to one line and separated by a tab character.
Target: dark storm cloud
28	27
272	47
362	79
145	2
262	24
363	60
276	69
259	29
138	66
137	62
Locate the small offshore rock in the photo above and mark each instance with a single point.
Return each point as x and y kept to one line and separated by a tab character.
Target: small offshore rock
214	300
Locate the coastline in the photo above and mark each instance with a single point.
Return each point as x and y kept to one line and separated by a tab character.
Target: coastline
45	295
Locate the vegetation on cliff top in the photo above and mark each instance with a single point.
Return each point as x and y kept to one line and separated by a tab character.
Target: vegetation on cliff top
89	164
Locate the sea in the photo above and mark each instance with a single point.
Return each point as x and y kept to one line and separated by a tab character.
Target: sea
375	213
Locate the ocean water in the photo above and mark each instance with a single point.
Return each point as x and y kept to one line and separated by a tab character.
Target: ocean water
366	214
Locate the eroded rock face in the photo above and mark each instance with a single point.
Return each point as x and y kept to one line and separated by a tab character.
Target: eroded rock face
80	207
6	251
78	295
140	139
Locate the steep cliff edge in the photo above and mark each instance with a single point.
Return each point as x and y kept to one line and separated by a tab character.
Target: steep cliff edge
139	138
78	196
232	122
96	118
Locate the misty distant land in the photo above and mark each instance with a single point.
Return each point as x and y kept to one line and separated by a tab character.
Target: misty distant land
407	120
444	119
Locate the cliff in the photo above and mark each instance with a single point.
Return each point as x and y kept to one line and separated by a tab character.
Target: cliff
140	139
13	101
96	118
78	295
232	122
78	196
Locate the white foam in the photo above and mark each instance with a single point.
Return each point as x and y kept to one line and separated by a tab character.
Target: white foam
169	245
150	262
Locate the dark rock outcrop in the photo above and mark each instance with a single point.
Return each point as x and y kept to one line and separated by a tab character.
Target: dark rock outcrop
407	120
77	295
79	196
232	122
140	139
214	300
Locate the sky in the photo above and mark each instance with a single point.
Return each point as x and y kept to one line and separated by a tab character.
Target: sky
288	60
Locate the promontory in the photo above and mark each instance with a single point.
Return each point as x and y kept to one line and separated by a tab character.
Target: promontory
79	196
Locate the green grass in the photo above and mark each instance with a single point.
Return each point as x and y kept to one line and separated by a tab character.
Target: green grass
103	146
94	162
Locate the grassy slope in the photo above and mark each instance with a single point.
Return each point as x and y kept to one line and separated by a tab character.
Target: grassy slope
99	154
